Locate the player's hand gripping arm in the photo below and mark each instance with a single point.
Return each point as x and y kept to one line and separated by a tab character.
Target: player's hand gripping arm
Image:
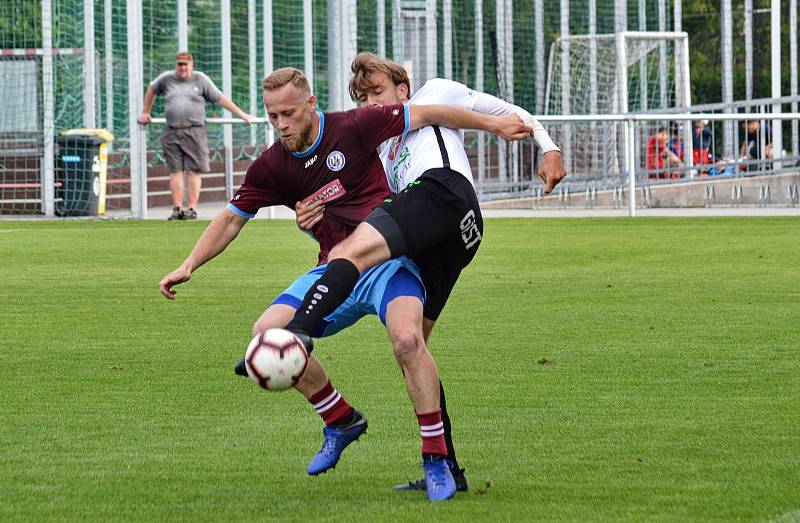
509	126
307	216
221	232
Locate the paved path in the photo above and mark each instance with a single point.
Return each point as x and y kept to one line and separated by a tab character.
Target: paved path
209	210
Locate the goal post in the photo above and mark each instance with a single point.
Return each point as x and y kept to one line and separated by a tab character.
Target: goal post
620	73
625	42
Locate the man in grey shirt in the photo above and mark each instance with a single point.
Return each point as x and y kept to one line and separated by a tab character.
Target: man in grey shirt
184	140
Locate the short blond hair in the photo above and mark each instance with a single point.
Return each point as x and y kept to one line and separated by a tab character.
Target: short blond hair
367	64
286	75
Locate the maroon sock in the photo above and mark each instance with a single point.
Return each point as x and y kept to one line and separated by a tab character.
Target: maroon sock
431	430
330	405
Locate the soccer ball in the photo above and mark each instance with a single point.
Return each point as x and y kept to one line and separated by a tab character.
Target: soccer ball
276	359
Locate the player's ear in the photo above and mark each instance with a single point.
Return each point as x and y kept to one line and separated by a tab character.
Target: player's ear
402	91
312	103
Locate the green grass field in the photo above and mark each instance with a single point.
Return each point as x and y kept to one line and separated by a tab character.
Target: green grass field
597	369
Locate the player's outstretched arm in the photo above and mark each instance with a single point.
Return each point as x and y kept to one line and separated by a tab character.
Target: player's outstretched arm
486	103
509	126
551	170
220	232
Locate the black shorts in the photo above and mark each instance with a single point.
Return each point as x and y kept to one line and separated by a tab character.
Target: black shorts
436	221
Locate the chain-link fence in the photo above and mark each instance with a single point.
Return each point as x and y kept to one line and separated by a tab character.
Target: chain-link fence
69	64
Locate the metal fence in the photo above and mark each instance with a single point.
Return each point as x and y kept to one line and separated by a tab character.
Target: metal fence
91	69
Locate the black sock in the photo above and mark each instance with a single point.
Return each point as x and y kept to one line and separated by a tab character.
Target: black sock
329	291
448	434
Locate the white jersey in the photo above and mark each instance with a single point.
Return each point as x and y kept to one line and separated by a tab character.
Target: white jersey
407	157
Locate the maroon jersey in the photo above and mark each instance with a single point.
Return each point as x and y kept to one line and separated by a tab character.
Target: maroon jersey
342	167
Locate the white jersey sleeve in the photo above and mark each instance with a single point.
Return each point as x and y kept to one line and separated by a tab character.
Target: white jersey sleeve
448	92
445	92
486	103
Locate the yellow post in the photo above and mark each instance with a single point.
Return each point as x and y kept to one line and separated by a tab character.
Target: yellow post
101	198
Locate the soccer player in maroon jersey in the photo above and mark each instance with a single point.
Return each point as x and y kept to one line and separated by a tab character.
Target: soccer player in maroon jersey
430	172
331	154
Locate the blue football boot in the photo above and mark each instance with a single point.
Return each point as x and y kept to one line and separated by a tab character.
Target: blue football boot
458	475
336	440
438	479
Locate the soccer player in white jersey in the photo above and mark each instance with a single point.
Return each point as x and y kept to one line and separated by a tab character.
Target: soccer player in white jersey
434	219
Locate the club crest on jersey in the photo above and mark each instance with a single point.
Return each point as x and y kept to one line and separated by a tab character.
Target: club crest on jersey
335	161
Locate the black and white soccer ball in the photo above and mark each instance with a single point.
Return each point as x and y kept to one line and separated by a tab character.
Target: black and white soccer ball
276	359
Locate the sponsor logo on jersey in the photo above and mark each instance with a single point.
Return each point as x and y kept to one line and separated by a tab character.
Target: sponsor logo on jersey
469	230
335	161
328	193
310	162
397	164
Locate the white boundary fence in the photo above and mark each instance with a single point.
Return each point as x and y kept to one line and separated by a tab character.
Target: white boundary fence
413	33
630	121
629	170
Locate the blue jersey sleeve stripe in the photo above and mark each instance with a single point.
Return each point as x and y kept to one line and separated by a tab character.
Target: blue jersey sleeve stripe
240	212
407	118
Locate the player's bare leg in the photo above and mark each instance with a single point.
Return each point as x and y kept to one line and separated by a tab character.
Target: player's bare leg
343	423
365	248
404	324
458	472
277	316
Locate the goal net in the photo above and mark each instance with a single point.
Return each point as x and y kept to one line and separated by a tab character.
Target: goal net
611	74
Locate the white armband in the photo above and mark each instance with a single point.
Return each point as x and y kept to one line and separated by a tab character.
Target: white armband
540	135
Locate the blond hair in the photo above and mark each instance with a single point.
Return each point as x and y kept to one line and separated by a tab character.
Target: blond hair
365	65
286	75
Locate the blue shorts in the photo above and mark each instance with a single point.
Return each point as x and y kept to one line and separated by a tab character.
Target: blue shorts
372	293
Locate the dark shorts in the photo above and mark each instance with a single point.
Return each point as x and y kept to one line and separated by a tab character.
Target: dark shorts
185	149
436	221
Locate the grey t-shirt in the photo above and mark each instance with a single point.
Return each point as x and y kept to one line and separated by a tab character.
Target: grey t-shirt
185	100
